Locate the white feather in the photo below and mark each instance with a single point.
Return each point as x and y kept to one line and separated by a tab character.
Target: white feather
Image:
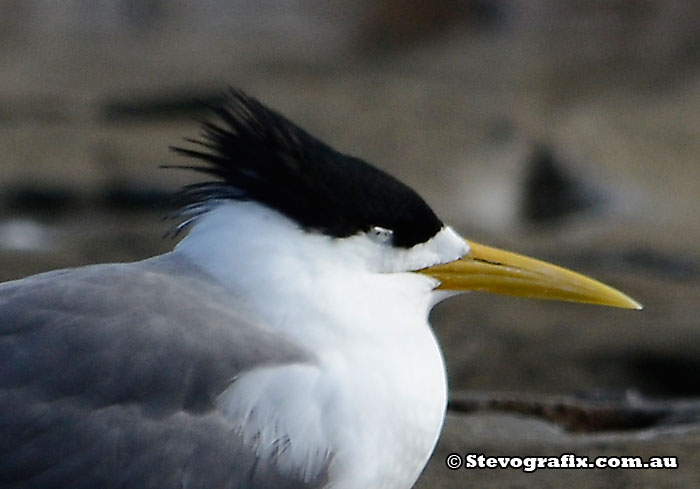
375	399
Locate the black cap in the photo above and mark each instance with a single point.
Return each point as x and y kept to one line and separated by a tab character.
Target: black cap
258	155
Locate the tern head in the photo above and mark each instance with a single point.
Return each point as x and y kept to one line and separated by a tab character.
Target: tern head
278	191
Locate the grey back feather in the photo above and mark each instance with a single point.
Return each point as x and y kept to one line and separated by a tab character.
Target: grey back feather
109	376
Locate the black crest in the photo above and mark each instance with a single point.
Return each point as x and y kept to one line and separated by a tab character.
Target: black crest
257	154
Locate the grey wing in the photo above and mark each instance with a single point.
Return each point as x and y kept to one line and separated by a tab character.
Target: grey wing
109	377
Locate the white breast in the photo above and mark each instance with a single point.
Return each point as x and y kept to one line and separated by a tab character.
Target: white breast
393	413
378	409
375	396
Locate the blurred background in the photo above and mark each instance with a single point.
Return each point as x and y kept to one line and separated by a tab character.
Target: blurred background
565	129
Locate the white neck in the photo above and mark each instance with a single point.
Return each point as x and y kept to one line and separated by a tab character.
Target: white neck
355	304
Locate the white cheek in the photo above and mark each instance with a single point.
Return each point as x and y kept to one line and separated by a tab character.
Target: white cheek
444	247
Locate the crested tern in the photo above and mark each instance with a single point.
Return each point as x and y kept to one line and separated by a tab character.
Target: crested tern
283	343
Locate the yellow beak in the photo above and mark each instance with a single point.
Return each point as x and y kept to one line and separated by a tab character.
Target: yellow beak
502	272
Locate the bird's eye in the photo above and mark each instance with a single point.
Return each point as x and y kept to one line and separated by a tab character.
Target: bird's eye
381	235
